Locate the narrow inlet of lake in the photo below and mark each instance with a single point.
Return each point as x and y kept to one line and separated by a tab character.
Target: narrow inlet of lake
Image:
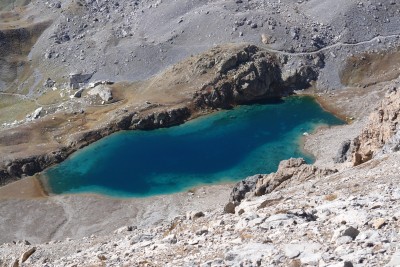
222	147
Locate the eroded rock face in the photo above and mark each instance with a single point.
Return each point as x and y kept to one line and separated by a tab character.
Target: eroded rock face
344	152
288	169
240	190
262	184
241	76
380	131
29	166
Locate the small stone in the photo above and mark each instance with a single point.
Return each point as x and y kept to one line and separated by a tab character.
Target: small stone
230	208
101	257
378	223
291	253
352	232
27	254
170	239
194	215
347	264
193	242
344	240
202	231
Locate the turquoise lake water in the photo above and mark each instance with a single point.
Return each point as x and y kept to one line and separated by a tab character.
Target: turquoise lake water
222	147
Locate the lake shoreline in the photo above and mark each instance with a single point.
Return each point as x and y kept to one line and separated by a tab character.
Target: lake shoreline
45	190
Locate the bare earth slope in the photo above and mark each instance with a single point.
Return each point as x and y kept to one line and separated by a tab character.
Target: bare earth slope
74	71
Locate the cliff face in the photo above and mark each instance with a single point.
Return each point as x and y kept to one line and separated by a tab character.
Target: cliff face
380	131
294	170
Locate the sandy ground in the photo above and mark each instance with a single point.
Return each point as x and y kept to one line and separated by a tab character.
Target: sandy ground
27	188
28	216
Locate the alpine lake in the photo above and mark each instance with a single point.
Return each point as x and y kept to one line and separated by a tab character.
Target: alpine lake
225	146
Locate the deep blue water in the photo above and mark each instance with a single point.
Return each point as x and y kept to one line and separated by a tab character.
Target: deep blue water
225	146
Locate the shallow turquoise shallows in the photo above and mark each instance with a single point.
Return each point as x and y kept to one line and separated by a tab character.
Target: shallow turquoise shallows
222	147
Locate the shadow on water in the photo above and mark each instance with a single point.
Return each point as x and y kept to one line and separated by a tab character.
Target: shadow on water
225	146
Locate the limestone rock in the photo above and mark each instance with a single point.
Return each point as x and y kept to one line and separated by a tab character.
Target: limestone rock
77	79
344	152
230	208
36	113
381	130
288	169
104	92
241	188
27	254
49	83
78	93
378	223
171	239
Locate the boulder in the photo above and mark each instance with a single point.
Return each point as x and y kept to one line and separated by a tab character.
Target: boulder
352	232
241	188
343	153
288	169
36	113
230	208
76	79
27	254
104	92
193	215
49	83
78	93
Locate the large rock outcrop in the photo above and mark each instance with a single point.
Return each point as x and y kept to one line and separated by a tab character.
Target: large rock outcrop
381	130
289	169
261	184
243	74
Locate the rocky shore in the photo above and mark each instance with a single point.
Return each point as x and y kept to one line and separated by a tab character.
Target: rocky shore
220	78
72	72
301	215
348	218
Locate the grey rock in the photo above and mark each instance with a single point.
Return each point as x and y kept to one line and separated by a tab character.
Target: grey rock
393	145
230	208
76	79
194	215
352	232
27	254
78	93
343	240
395	260
49	83
241	188
343	153
291	252
36	113
171	239
102	91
